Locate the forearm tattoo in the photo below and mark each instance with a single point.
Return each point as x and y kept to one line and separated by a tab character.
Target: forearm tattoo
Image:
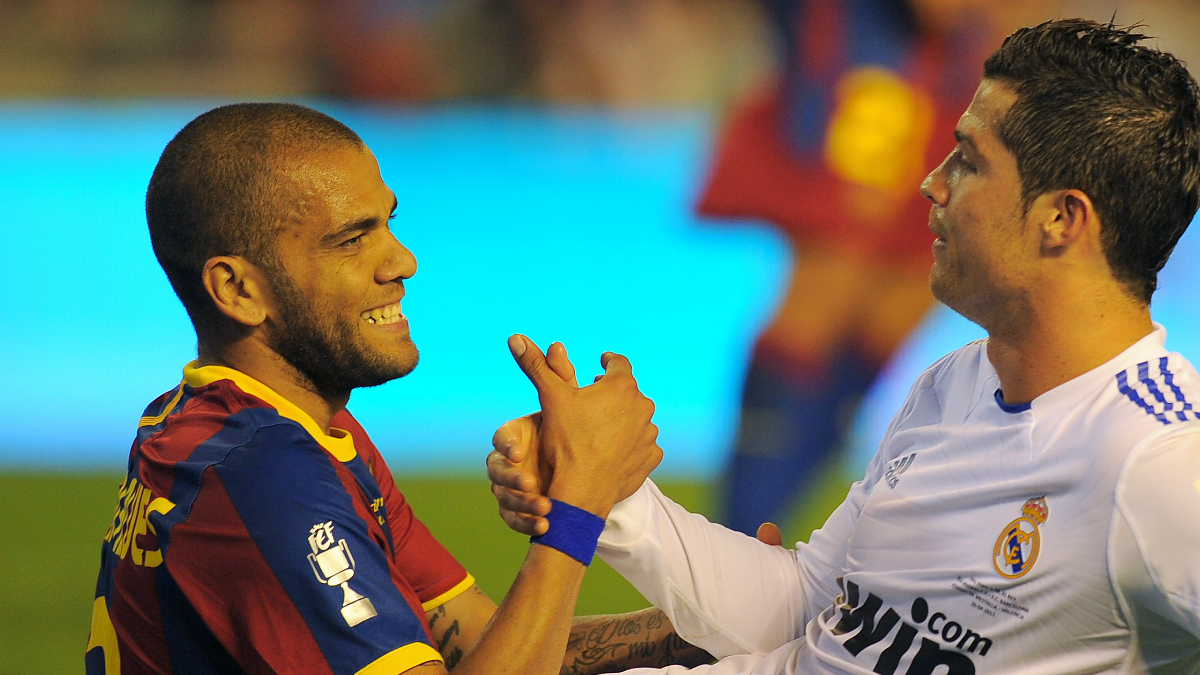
646	639
456	653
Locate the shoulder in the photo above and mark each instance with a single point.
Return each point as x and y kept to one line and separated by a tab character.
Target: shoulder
244	440
961	366
206	425
1160	481
1158	497
956	374
1164	388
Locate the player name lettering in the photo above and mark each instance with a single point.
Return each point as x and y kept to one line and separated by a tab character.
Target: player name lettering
944	648
131	532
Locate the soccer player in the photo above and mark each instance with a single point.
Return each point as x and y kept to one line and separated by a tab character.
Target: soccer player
258	530
1031	505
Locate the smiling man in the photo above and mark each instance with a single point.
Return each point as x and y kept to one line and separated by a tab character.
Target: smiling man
258	530
1030	509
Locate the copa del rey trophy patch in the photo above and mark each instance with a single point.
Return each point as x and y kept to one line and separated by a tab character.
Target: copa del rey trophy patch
1018	545
334	565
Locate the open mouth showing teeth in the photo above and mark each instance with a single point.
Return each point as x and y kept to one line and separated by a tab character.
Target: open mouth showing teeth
383	315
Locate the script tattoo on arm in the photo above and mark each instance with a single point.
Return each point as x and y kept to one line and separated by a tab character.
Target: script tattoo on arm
645	639
456	653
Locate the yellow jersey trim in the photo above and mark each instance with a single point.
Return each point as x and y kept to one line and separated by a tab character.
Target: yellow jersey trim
157	419
338	442
402	659
160	505
450	594
104	636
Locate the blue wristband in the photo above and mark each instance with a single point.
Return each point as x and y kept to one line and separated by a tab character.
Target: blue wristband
572	531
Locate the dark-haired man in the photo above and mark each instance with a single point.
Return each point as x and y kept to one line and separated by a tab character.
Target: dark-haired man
258	530
1031	506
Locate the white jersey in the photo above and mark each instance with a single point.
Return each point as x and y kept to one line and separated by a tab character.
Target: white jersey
1060	536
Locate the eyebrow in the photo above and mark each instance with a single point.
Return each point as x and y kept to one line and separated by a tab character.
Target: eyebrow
357	225
964	139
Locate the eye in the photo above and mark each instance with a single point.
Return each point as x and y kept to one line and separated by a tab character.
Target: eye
352	241
964	162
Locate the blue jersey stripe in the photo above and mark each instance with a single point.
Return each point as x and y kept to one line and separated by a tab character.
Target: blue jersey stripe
193	647
1132	395
366	481
1175	410
238	430
1169	380
284	486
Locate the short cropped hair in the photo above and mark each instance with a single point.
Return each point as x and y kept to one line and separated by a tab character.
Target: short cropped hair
1098	112
221	188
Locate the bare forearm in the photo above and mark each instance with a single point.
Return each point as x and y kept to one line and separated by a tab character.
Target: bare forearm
611	643
527	633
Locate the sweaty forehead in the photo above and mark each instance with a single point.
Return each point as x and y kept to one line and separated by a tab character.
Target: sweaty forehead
981	121
339	183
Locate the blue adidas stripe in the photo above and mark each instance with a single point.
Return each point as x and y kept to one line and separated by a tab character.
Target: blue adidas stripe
1169	380
1173	411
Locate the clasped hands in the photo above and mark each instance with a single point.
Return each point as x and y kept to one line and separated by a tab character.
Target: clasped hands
597	441
589	446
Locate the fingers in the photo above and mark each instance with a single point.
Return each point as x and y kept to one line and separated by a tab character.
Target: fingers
525	524
516	438
556	356
650	435
533	362
507	443
522	503
615	364
503	473
768	533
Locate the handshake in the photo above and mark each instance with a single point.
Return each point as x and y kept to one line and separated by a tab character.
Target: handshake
589	446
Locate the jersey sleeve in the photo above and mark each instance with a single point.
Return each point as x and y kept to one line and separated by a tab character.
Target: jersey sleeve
268	548
431	570
1154	545
723	591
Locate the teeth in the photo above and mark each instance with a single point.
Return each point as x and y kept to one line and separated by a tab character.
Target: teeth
383	315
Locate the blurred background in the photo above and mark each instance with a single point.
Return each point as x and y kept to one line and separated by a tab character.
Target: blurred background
723	190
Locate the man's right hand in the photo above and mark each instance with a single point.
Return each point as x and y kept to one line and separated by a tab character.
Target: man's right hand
594	446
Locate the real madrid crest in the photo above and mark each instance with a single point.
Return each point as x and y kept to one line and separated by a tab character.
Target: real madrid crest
1018	545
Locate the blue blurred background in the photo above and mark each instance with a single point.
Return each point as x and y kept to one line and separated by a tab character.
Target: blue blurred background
548	158
569	224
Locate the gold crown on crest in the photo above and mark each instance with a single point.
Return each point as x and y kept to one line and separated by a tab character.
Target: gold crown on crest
1037	510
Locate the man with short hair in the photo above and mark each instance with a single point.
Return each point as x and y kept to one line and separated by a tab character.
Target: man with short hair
1021	513
258	530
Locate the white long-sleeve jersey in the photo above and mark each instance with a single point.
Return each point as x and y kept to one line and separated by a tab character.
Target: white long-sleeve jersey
1061	536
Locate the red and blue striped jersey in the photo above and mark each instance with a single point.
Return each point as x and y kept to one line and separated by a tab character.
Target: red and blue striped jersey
246	540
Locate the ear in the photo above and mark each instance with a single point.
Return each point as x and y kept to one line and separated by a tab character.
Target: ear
238	289
1067	219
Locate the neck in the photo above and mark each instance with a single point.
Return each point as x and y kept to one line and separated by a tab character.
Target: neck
1062	338
252	357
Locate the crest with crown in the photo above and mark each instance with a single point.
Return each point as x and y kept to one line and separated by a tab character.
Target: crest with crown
1036	510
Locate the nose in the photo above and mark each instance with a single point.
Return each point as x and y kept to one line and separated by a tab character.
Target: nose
934	187
398	263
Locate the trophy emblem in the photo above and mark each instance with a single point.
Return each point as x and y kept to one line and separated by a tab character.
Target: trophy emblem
334	566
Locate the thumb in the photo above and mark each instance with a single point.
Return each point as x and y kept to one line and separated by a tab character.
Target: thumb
768	533
532	362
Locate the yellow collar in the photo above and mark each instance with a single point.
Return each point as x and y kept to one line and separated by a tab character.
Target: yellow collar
338	442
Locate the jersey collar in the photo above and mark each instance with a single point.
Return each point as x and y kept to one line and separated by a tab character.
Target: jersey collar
338	442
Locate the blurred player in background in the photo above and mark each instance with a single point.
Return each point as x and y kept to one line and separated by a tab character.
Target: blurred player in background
829	155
